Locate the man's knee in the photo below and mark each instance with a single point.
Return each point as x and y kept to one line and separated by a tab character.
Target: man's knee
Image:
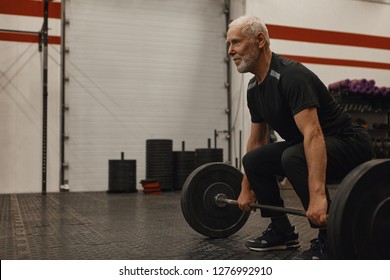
258	160
249	159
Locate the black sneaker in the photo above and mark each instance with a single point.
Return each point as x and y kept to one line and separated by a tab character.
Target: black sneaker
317	251
273	239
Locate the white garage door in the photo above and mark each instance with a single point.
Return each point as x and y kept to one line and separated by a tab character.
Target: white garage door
141	70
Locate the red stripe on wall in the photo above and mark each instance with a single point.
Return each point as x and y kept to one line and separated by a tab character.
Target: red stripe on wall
29	8
339	62
27	38
328	37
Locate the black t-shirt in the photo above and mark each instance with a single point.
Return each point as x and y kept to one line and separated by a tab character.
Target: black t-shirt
288	88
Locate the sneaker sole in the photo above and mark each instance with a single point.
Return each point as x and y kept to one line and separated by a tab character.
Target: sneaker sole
294	245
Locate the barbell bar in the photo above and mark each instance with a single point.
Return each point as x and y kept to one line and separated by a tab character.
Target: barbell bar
221	200
358	221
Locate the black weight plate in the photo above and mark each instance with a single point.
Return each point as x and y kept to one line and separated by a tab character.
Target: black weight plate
198	200
380	229
359	216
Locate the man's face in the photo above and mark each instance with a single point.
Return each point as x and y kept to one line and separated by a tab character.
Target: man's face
242	49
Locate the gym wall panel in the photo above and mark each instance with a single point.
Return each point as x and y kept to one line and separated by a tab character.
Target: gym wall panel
141	70
365	24
21	100
366	21
21	147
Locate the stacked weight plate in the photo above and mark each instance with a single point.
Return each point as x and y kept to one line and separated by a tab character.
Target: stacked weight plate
208	155
159	162
183	165
122	176
151	186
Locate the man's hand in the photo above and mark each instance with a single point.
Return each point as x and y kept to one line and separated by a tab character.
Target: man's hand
317	211
246	197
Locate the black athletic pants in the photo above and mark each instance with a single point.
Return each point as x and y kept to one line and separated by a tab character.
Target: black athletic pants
261	165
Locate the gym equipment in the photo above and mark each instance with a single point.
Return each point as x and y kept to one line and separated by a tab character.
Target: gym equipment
159	158
358	219
122	175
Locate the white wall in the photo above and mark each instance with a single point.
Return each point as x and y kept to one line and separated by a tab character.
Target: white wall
351	16
21	110
365	18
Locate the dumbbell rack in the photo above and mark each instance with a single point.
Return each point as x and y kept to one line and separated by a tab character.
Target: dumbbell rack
375	110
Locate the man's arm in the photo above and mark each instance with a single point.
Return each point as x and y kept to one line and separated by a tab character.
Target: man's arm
257	138
315	152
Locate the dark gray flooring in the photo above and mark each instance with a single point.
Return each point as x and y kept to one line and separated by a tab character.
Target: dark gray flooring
98	225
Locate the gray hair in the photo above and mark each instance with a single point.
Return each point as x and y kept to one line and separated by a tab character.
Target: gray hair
250	25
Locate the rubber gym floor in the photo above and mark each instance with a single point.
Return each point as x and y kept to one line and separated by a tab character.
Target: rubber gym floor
104	226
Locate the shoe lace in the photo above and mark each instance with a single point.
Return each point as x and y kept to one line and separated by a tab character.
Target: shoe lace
270	230
318	245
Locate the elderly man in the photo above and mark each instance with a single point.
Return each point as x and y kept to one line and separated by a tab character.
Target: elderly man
321	143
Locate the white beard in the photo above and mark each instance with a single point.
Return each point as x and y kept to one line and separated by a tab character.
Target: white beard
244	66
248	62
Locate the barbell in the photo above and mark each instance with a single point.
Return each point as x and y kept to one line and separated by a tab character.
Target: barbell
358	220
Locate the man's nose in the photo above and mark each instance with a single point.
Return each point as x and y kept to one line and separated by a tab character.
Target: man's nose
231	50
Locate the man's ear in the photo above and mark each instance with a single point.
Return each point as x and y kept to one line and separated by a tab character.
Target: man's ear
260	39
